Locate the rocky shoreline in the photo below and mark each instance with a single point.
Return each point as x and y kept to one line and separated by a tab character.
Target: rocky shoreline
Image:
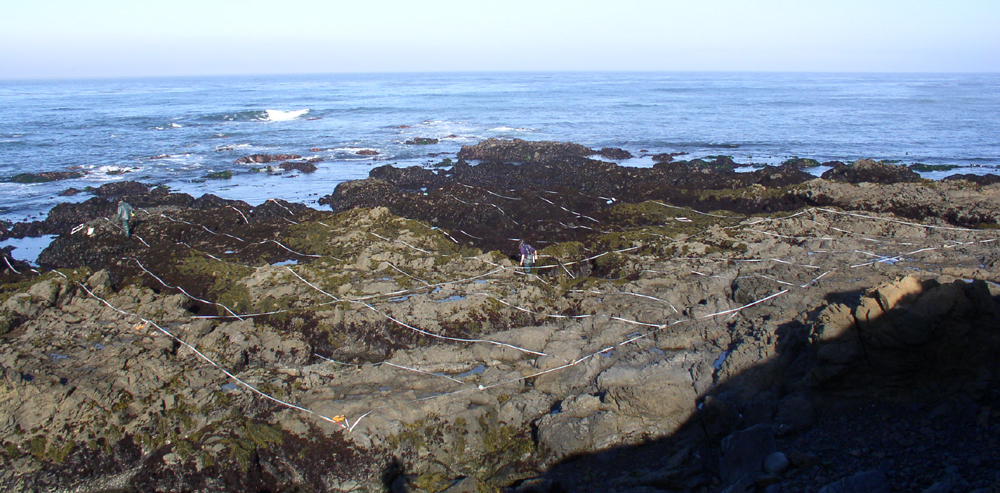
690	328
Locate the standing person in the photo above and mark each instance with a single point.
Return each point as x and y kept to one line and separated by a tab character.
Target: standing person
528	256
124	215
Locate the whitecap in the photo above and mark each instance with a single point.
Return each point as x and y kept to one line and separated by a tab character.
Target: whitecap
283	115
175	125
510	129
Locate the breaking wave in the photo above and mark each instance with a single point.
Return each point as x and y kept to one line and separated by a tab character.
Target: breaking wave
282	115
258	116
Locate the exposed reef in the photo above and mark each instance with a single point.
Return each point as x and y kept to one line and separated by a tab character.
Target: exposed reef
688	328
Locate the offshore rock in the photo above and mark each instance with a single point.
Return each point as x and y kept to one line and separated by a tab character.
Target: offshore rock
305	167
871	171
614	153
266	158
45	176
422	141
523	151
984	180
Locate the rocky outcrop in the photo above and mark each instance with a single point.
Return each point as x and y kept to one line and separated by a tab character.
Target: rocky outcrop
45	176
266	158
614	153
303	166
421	141
984	180
523	151
953	201
871	171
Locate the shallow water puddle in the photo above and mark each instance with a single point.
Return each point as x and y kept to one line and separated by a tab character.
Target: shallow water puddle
28	249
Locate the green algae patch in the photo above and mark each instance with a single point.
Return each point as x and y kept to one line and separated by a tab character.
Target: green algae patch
221	281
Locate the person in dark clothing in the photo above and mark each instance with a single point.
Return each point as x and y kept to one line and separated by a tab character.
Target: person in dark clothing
528	256
125	214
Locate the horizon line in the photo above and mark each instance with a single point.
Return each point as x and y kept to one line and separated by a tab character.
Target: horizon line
4	79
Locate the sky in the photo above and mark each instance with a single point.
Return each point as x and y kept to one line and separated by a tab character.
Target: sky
129	38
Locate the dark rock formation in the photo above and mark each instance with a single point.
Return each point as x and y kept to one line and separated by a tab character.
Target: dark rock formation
800	163
614	153
421	141
305	167
523	151
871	171
367	152
266	158
990	179
666	157
45	176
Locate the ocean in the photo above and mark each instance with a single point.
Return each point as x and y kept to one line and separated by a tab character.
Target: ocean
176	131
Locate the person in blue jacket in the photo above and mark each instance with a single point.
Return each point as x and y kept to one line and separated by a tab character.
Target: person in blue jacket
125	214
528	256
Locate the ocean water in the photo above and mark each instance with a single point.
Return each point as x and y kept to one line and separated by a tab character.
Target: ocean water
175	131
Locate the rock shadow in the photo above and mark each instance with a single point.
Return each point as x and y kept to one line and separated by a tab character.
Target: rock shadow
890	389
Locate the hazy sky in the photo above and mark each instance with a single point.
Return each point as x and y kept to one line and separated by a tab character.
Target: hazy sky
111	38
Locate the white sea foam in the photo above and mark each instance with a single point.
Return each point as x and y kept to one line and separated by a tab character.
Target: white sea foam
511	129
175	125
283	115
231	147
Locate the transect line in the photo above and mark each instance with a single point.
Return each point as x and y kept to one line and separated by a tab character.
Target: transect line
929	226
401	271
883	259
383	238
672	307
415	370
279	205
10	266
241	213
489	192
657	202
337	420
410	327
182	289
424	372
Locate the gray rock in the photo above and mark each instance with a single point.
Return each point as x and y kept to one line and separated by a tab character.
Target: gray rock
795	413
464	485
99	282
743	453
776	463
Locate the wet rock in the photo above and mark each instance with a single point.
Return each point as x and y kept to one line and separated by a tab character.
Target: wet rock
523	151
869	170
266	158
801	163
421	141
305	167
45	176
983	180
367	152
411	178
361	193
614	153
666	157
